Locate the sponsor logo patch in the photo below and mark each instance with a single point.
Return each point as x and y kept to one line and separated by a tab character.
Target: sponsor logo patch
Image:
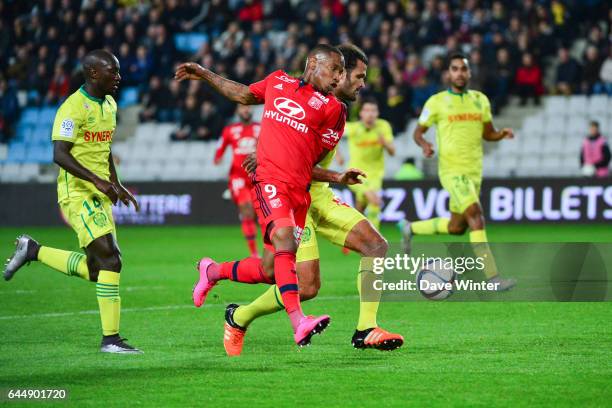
67	128
289	108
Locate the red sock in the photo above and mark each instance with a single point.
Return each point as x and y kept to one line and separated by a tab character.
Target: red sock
248	270
287	282
249	229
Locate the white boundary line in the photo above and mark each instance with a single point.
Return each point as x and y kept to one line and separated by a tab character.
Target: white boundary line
139	309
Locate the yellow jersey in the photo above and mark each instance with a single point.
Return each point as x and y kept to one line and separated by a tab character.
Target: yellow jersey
366	152
89	123
460	120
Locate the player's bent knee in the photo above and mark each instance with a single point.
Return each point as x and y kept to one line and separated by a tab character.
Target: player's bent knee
111	262
308	292
284	240
456	229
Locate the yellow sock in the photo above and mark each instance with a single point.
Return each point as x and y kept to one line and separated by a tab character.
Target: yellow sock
69	263
431	226
367	310
480	245
107	290
267	303
373	215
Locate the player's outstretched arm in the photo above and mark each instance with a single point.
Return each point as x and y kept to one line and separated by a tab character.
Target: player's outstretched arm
234	91
123	194
419	138
490	134
63	158
347	177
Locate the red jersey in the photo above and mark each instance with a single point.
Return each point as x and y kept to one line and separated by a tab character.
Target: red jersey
298	124
243	140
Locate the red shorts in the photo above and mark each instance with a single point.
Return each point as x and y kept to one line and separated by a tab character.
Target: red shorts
240	188
277	202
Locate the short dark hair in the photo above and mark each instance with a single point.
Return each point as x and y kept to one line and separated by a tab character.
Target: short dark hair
352	54
325	49
368	99
454	56
595	123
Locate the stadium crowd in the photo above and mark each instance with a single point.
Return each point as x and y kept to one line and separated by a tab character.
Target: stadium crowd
511	44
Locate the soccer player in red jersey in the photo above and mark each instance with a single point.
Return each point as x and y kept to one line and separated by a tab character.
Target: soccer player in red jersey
302	122
242	137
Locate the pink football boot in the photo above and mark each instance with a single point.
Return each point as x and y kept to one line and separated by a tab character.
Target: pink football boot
308	327
203	285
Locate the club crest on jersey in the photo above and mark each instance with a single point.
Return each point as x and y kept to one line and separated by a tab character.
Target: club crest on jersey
315	103
289	108
276	203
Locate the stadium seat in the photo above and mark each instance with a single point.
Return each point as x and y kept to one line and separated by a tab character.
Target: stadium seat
3	152
578	105
10	172
29	116
39	154
16	152
553	144
143	132
556	106
531	145
599	104
129	97
189	42
555	125
47	115
42	133
577	127
533	125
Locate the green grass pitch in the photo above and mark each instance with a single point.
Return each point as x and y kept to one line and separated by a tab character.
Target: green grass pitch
456	353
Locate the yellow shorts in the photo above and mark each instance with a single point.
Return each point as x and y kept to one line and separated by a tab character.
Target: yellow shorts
90	216
371	183
328	217
464	191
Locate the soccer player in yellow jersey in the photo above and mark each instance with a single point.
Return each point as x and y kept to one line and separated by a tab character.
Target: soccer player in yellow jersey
339	223
368	139
463	119
87	187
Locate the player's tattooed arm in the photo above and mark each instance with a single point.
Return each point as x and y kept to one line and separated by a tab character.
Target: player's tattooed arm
347	177
234	91
63	158
250	163
491	134
123	194
419	138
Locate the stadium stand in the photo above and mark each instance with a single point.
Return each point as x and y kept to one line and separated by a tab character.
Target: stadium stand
403	40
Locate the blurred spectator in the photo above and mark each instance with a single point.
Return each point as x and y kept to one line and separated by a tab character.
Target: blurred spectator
59	88
568	73
605	76
591	69
595	153
501	82
370	20
160	104
529	80
190	121
246	39
9	111
210	125
396	109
